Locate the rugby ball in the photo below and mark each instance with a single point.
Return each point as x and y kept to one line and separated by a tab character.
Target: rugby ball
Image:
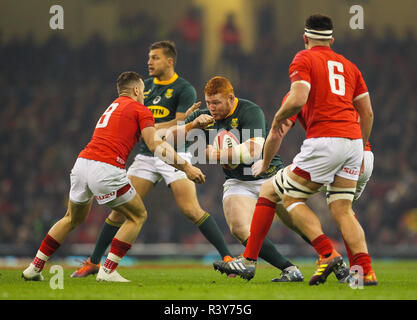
224	140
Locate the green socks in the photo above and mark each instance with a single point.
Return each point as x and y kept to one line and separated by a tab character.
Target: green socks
206	224
271	255
104	240
211	231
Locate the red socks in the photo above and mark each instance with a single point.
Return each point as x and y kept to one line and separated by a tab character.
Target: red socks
118	250
260	225
48	246
322	245
363	260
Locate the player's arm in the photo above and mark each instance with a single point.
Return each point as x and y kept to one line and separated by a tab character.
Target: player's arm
293	104
246	152
363	106
272	144
250	149
176	135
166	153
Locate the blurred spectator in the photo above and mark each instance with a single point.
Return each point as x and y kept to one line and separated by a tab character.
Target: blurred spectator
232	52
188	36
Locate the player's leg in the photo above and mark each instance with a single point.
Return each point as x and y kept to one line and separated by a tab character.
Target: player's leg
297	191
238	210
79	205
110	227
142	176
75	215
360	187
135	214
185	195
352	232
261	223
115	220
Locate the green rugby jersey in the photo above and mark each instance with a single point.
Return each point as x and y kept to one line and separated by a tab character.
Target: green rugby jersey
165	99
244	115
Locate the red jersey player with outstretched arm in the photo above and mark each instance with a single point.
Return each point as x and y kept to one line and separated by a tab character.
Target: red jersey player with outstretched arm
276	186
330	91
100	172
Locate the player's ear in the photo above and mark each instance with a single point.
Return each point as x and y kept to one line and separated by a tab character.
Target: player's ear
231	98
331	41
171	62
305	39
136	90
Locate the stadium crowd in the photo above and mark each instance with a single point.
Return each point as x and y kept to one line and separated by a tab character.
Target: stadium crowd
52	95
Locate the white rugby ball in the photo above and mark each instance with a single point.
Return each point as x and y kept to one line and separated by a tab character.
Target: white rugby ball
224	140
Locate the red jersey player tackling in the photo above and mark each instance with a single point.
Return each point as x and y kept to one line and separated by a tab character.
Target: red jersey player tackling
100	172
331	91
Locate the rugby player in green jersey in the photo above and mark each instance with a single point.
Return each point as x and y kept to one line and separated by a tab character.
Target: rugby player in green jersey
241	189
169	97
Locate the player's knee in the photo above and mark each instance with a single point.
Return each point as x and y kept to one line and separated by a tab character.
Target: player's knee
116	217
240	232
74	221
192	212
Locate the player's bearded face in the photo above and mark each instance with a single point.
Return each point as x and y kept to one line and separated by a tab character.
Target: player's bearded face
158	63
219	105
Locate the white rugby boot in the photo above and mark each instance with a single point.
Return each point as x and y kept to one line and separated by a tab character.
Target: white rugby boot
110	277
32	273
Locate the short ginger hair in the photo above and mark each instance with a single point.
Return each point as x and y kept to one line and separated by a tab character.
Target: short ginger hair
218	85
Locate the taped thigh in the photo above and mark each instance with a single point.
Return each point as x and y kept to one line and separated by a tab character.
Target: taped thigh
335	193
294	189
278	183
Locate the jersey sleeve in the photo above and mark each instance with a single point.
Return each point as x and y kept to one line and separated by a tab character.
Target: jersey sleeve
360	88
300	67
145	118
186	99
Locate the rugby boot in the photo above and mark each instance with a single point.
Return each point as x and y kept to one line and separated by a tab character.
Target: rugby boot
86	269
241	266
324	267
341	272
368	280
32	273
113	276
227	259
290	274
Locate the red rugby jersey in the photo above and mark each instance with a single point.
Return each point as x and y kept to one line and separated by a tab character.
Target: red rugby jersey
334	83
117	131
299	116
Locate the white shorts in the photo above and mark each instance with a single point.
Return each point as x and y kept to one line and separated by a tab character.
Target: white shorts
109	184
154	169
235	187
364	177
324	158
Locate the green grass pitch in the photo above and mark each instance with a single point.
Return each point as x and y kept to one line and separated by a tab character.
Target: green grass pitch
194	281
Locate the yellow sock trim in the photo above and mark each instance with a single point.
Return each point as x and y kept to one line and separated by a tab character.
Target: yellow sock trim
114	224
203	218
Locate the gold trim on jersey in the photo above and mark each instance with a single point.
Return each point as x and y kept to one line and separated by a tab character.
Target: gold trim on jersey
234	108
166	82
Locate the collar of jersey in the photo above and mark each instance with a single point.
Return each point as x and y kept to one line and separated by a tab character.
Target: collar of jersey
234	108
166	82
